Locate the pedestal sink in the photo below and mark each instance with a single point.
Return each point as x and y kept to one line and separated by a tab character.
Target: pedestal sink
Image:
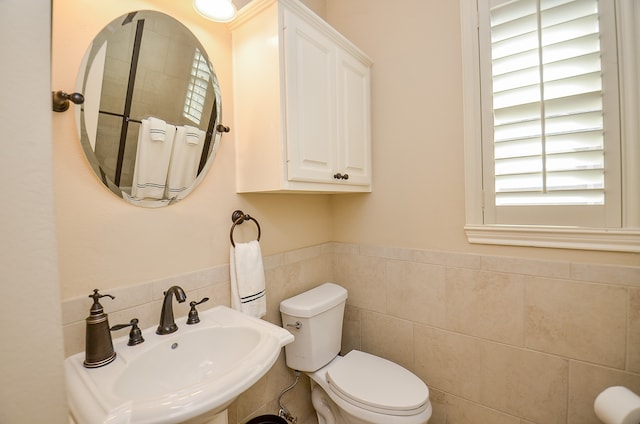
193	373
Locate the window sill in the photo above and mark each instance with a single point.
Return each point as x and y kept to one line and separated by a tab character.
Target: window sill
617	240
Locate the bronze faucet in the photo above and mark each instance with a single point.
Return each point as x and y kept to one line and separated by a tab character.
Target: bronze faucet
167	322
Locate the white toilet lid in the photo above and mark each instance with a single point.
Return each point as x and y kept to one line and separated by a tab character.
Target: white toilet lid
377	384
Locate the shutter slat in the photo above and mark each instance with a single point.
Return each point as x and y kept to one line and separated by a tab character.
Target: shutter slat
587	67
575	180
518	148
571	48
515	62
581	103
569	11
548	4
585	102
575	161
570	30
516	97
556	181
524	112
518	166
515	45
563	162
567	197
518	183
579	65
574	123
518	130
515	28
502	11
584	141
519	78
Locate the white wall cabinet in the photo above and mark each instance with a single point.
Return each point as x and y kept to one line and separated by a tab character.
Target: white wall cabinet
302	103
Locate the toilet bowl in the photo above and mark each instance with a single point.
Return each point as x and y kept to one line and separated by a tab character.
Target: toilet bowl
358	388
363	388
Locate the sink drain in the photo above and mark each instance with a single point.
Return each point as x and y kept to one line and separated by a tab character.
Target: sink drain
174	346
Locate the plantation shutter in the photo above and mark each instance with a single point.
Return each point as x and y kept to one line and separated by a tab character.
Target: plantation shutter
546	87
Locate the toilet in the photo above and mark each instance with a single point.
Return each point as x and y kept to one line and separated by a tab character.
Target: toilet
357	388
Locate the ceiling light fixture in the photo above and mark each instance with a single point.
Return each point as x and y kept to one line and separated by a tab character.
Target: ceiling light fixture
216	10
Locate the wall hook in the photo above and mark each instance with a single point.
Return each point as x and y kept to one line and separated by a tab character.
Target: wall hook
61	100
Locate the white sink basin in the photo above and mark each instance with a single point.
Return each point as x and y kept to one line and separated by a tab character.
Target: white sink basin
197	371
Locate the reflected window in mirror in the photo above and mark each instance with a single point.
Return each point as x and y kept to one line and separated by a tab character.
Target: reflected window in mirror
198	85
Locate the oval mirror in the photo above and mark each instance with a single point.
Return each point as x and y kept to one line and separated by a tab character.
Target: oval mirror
150	124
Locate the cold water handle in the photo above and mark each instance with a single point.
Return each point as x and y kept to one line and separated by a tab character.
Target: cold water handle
193	312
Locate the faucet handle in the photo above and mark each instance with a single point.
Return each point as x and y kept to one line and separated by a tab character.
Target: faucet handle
193	313
135	335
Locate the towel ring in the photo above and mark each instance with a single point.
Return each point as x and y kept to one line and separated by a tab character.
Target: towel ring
238	217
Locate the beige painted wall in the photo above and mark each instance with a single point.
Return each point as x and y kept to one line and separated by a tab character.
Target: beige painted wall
418	197
106	243
31	351
418	173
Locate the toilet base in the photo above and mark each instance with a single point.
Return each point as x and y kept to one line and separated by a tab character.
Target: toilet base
328	412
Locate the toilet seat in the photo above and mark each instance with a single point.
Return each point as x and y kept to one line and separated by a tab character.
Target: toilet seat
377	385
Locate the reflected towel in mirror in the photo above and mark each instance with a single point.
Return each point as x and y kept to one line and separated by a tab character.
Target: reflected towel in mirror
185	159
152	163
157	129
193	134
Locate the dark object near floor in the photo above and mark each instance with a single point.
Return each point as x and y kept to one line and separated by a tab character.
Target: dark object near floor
267	419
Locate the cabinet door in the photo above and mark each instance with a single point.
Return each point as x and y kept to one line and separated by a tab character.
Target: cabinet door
354	122
310	101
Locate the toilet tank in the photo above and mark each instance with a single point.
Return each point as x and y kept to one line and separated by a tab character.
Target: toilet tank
320	312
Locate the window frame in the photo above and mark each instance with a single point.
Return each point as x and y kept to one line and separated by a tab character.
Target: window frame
625	238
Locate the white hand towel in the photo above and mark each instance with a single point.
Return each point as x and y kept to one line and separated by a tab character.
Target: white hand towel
157	129
194	135
152	163
185	160
248	293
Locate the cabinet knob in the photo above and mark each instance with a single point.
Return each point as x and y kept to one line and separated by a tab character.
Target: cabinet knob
340	176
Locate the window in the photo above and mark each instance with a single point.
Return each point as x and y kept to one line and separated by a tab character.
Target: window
551	142
197	88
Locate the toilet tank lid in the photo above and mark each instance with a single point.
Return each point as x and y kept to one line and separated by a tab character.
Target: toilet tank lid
314	301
